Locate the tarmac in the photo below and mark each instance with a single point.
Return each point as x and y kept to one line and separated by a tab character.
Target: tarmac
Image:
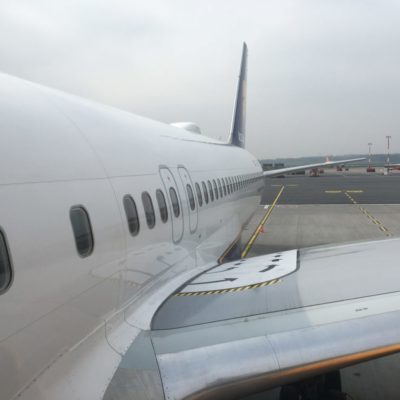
336	207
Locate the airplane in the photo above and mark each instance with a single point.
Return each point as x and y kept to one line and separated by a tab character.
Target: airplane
118	278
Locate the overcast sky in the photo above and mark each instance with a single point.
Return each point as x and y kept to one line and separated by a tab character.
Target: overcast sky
323	76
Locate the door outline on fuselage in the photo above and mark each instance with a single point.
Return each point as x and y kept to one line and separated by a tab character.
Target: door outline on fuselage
177	223
193	214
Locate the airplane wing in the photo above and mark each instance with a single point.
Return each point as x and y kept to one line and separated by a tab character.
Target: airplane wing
281	171
254	324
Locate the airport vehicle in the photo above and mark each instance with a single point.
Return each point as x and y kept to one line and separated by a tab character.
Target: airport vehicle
393	166
114	232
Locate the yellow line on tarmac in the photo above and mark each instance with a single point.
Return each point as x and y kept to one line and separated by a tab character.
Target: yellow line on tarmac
370	216
345	191
260	225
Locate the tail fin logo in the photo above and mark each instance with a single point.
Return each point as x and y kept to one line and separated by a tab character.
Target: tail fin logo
238	130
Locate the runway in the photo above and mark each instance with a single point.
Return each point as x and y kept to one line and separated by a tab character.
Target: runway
332	208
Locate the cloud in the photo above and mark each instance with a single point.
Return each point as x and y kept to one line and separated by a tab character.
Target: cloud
323	76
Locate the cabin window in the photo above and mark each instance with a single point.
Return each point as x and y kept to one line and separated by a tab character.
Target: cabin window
174	201
215	189
82	231
131	215
228	189
231	184
223	185
162	205
148	210
5	264
205	192
199	196
220	188
189	191
210	190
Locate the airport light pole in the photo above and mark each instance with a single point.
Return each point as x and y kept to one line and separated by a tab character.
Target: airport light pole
388	137
369	154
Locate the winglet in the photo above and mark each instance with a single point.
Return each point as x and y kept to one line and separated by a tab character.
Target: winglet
238	131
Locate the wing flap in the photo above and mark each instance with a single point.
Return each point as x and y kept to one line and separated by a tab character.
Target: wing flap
241	367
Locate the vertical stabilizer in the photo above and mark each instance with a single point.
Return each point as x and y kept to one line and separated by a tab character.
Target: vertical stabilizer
238	130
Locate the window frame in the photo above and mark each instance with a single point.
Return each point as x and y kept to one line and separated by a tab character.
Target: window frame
210	191
163	219
199	195
190	194
153	224
216	194
91	248
9	273
175	205
130	198
205	191
221	193
228	189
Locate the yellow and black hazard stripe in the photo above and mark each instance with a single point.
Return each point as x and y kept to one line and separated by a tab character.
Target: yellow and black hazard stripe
230	290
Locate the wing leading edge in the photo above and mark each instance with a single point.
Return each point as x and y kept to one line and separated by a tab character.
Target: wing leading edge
281	171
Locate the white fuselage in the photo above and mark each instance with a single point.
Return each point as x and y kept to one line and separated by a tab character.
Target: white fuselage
58	151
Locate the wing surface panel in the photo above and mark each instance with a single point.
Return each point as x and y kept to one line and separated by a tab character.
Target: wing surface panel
316	276
327	308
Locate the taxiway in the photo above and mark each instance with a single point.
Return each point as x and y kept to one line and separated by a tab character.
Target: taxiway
300	211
